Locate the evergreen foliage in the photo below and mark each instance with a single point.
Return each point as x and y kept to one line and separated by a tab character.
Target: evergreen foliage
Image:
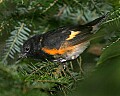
20	19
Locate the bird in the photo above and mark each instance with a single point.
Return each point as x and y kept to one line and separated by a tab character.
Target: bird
62	44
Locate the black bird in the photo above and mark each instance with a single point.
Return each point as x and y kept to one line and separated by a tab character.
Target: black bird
62	44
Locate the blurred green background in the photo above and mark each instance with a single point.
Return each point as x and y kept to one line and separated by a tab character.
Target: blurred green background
96	72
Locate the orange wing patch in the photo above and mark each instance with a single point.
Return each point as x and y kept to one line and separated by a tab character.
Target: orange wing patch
52	51
73	34
56	51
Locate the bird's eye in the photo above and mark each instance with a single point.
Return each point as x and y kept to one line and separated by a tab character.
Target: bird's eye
27	49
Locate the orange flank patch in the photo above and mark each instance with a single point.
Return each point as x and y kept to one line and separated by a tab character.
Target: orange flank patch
73	34
56	51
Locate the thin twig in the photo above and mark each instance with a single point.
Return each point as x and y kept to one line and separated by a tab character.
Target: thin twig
36	70
77	2
61	11
80	65
51	81
51	5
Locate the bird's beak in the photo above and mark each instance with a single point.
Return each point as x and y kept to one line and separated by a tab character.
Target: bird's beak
21	56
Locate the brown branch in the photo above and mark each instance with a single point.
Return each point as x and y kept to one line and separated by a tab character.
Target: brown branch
61	11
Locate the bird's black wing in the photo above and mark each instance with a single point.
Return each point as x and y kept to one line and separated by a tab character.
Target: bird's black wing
72	34
54	39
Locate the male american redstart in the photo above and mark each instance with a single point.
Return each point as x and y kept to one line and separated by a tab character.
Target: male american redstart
62	44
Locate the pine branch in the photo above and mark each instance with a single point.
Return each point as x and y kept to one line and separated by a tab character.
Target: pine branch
15	40
44	72
113	22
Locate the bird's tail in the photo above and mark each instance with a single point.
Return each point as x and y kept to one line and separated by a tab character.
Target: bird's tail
96	23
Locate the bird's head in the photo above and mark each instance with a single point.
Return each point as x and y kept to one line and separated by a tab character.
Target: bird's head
31	47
